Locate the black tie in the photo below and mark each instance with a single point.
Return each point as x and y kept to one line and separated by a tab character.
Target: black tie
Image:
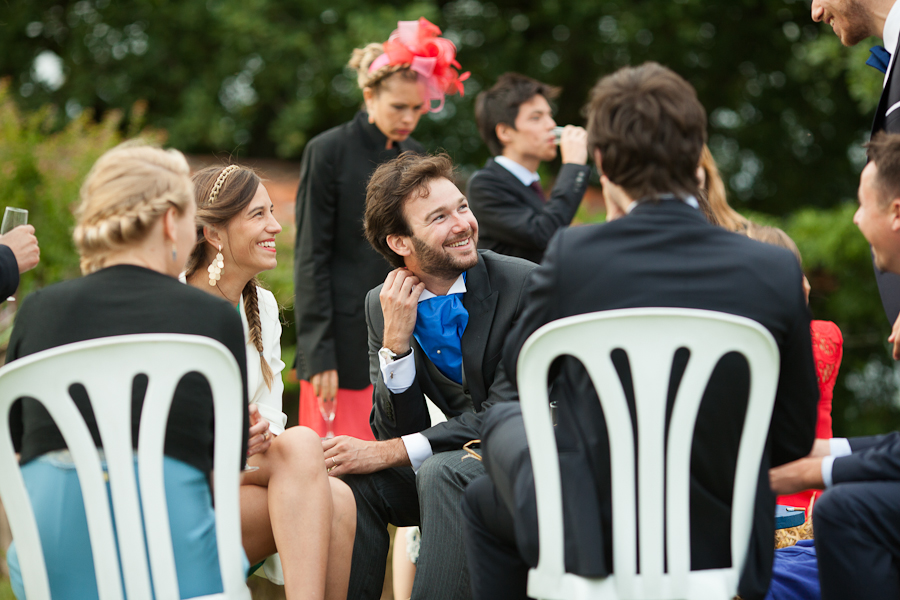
536	186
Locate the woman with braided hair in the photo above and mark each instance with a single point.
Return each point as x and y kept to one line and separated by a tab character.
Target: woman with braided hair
134	233
289	505
334	266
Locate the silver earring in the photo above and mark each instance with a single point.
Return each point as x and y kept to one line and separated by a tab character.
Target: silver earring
174	253
215	269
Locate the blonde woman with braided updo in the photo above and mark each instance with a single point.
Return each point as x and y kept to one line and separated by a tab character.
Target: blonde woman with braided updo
135	232
289	505
334	266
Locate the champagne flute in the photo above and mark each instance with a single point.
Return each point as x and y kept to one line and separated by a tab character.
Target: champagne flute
328	410
12	218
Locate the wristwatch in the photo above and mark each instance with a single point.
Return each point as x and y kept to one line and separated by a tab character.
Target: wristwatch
390	356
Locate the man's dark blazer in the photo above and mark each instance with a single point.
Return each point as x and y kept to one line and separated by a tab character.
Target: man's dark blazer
874	458
334	265
662	254
494	290
9	272
889	283
512	219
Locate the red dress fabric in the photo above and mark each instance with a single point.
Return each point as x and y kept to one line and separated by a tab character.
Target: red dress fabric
828	349
351	415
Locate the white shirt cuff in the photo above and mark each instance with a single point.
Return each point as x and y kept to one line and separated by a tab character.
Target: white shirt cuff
827	466
399	374
418	448
839	447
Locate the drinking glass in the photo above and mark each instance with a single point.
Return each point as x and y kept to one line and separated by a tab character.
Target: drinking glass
328	410
12	218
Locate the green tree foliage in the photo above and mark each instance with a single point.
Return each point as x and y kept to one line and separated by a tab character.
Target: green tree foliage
43	166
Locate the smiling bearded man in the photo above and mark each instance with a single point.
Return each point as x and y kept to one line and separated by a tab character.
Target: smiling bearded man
436	328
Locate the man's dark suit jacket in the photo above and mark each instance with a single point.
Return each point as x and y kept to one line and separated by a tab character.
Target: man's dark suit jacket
494	290
512	219
889	283
334	265
9	272
874	458
662	254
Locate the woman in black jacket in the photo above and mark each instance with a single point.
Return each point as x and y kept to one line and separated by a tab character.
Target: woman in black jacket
334	266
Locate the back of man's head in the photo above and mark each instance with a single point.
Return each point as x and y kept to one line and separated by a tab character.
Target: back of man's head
500	104
391	185
649	128
884	151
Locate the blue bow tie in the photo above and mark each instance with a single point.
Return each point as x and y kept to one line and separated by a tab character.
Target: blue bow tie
879	59
440	324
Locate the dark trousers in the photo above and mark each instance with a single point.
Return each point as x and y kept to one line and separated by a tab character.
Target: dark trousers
431	499
857	529
496	568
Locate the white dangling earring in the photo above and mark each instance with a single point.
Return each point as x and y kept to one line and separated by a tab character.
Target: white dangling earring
215	269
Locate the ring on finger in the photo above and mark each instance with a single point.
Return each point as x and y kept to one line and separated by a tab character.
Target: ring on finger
265	436
333	462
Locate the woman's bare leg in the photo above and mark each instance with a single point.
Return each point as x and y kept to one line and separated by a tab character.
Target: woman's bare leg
343	531
404	569
296	517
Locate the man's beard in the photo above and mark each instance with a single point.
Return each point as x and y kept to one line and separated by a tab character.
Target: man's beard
439	263
857	19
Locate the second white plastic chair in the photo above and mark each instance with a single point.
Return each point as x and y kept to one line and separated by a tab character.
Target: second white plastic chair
650	337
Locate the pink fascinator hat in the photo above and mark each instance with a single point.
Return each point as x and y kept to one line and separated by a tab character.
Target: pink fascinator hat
419	45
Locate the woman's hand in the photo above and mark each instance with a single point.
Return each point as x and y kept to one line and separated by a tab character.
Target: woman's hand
325	385
260	438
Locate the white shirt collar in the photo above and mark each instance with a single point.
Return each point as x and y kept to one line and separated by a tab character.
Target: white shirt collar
458	287
891	34
521	173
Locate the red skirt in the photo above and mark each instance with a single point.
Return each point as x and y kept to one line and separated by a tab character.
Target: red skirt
351	415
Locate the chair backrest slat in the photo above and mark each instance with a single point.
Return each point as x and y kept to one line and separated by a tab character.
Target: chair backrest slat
107	367
650	337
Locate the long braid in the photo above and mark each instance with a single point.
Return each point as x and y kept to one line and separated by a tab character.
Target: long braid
251	309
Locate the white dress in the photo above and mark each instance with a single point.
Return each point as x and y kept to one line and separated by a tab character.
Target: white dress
268	400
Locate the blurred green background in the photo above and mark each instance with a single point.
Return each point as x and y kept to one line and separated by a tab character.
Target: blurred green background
789	109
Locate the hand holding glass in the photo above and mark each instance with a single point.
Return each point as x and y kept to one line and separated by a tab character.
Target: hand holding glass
12	218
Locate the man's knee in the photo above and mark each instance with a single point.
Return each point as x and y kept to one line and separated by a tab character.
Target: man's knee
447	470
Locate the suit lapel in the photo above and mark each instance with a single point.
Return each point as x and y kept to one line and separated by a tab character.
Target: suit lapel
889	96
481	302
524	192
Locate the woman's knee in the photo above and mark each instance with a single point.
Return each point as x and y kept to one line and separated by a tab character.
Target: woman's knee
343	502
298	446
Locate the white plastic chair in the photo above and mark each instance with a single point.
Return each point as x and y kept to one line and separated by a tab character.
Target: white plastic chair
650	337
106	367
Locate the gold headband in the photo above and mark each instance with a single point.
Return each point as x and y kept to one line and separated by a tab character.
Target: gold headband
221	181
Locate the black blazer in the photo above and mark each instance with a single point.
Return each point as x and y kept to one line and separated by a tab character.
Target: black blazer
122	300
663	254
512	219
889	283
494	292
334	265
874	458
9	272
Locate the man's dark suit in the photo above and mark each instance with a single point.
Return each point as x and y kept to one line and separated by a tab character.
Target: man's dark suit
9	272
513	219
857	522
495	287
887	118
662	254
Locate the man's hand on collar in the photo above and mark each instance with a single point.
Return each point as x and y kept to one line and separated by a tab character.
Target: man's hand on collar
399	303
345	455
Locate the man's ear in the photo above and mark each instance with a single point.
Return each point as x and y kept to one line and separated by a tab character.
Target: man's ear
598	160
400	244
503	133
893	210
212	236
